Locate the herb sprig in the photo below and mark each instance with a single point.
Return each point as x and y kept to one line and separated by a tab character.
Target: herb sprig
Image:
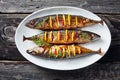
40	42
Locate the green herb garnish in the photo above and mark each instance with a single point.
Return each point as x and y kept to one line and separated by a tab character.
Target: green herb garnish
39	24
59	54
83	35
40	42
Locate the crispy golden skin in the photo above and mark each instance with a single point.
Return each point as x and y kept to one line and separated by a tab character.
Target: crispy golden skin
62	51
57	22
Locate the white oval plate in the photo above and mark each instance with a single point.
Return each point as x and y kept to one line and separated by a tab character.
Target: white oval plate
68	64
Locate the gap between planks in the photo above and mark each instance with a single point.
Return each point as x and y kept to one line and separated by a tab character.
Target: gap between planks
14	62
27	62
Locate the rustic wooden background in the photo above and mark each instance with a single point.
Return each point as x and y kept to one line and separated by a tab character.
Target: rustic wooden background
13	66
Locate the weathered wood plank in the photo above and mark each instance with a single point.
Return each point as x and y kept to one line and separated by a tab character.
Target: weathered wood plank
28	6
9	23
28	71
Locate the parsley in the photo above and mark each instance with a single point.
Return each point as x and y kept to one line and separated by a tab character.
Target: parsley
59	54
83	35
39	24
40	42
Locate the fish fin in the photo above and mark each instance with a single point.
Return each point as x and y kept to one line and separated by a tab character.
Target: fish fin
100	52
101	22
24	38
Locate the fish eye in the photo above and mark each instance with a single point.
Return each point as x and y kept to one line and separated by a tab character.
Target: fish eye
92	35
32	22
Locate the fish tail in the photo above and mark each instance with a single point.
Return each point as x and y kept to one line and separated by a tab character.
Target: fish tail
101	22
24	38
100	51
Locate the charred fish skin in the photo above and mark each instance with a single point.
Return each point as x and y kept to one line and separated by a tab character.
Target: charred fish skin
39	50
93	36
64	37
57	22
34	23
62	51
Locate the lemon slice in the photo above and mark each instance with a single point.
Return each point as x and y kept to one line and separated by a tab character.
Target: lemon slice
51	35
50	21
66	32
73	50
76	20
73	33
63	52
79	50
64	19
58	35
69	51
69	19
45	35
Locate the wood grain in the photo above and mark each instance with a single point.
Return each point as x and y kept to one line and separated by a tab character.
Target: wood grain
28	71
28	6
9	23
13	66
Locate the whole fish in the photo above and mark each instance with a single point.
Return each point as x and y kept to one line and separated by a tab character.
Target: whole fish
64	37
57	22
61	51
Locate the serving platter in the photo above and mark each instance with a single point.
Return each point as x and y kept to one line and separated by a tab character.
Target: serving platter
65	64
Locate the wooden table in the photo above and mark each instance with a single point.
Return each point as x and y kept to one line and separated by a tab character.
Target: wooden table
14	66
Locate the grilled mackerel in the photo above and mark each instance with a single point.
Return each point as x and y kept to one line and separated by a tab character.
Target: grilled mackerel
63	37
61	51
57	22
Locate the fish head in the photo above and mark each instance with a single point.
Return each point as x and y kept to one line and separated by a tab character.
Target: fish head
35	23
35	51
94	36
31	52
